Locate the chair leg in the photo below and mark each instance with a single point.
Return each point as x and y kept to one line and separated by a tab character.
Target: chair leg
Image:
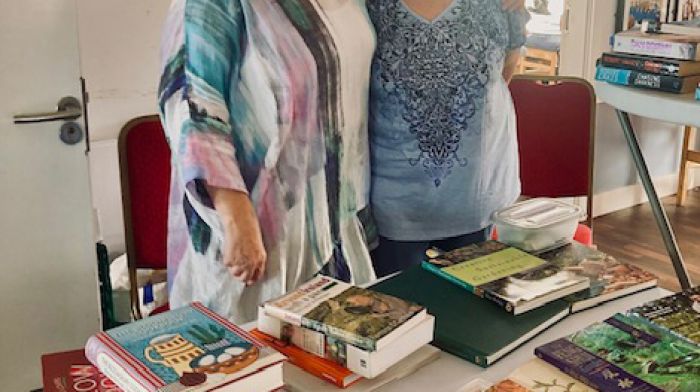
683	175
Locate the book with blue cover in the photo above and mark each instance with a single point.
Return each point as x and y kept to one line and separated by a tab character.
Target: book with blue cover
665	83
185	350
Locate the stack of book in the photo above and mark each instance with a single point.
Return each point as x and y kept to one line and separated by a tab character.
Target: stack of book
185	350
343	333
516	294
650	348
664	58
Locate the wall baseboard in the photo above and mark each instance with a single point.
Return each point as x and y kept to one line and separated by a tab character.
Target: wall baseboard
629	196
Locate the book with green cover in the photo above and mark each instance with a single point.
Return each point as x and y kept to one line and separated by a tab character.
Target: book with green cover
354	315
466	325
626	354
517	281
679	314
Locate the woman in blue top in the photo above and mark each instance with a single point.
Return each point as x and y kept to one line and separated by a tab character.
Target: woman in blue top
442	123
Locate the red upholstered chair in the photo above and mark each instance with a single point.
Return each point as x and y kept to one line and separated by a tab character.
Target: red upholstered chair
144	161
556	130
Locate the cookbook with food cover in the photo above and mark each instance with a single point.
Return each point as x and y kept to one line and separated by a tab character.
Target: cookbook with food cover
185	350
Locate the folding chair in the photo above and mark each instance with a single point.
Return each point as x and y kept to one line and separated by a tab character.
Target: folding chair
144	160
556	130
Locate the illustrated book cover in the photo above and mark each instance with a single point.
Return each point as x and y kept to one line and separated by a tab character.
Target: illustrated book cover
516	280
625	354
679	314
609	278
187	349
357	316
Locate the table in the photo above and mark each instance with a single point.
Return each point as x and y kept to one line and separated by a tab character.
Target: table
449	373
676	109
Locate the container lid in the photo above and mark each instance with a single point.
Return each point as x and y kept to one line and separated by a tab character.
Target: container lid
537	213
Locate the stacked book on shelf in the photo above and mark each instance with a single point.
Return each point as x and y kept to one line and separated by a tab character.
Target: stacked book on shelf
343	333
663	54
650	348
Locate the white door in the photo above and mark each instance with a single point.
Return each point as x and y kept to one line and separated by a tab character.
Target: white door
48	283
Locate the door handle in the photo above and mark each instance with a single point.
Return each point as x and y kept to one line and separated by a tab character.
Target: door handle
68	109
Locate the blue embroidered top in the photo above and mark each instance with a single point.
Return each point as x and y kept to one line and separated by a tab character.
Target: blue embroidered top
442	123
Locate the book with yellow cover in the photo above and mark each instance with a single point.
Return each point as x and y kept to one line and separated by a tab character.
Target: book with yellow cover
515	280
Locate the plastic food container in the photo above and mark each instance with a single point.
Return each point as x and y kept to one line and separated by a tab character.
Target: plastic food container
537	225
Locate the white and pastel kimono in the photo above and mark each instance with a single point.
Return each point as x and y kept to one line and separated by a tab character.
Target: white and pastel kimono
270	98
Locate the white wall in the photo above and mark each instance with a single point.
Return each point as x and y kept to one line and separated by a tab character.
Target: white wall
119	44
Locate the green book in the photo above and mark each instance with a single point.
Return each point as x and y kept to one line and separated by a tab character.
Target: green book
515	280
482	341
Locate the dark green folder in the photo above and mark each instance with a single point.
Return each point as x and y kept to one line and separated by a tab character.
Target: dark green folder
468	326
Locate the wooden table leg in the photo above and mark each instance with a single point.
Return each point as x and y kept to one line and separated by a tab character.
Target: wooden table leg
683	175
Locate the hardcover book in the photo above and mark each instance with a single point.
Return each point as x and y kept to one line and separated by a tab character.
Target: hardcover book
71	372
357	316
609	278
625	354
679	314
517	281
187	349
300	381
369	364
322	368
455	313
653	65
680	47
626	77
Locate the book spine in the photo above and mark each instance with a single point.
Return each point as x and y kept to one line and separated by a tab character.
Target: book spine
114	367
627	77
654	66
655	47
590	369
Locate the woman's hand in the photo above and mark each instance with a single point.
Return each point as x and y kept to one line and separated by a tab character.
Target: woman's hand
243	250
513	5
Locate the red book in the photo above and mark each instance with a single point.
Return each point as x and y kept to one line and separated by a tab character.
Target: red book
71	372
319	367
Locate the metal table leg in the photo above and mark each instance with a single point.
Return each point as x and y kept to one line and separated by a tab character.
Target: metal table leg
659	212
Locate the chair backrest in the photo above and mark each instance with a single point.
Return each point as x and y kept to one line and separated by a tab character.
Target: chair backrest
144	159
556	130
